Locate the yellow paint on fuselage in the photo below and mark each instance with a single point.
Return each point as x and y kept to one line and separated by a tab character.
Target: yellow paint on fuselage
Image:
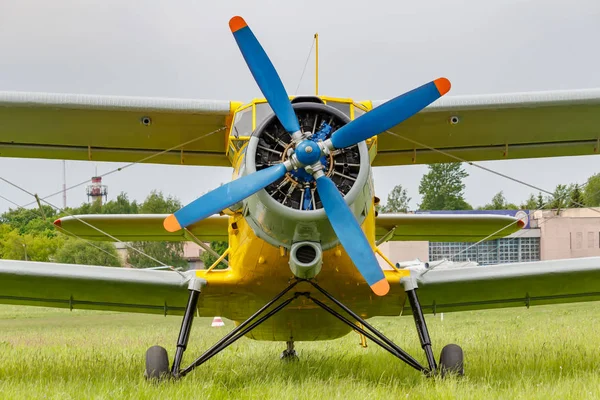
259	271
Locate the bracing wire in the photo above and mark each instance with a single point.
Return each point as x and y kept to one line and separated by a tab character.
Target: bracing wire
65	230
481	167
92	226
552	195
119	169
305	64
44	199
522	232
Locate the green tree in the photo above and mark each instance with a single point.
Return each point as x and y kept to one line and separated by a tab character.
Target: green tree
14	246
170	253
86	208
530	203
157	203
397	201
78	251
560	198
499	203
30	220
541	203
121	205
442	188
576	198
591	192
208	259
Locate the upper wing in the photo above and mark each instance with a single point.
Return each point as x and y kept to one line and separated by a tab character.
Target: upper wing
140	227
445	227
493	127
508	285
110	128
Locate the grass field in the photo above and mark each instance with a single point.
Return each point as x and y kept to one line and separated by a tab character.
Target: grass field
540	353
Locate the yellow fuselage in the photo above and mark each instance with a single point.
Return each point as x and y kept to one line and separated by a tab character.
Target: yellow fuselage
259	271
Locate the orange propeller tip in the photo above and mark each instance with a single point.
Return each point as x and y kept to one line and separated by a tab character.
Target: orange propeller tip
442	85
381	288
236	23
171	224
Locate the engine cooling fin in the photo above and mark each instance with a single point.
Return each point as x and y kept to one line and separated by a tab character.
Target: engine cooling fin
297	189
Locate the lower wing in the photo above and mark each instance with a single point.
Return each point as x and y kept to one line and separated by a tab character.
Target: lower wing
508	285
165	292
90	287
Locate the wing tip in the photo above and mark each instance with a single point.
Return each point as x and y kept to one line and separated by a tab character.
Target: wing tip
171	224
236	23
443	85
58	223
381	288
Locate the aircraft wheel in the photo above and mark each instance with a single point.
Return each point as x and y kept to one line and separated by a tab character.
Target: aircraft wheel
289	355
157	364
452	361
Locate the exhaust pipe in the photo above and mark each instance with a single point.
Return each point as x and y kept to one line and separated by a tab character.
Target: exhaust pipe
306	259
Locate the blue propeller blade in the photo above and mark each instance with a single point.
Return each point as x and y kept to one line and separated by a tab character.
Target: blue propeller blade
264	74
351	235
223	197
389	114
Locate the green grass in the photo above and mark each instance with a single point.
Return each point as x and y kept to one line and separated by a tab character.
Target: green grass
540	353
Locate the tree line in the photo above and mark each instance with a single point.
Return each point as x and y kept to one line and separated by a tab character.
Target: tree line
442	188
29	234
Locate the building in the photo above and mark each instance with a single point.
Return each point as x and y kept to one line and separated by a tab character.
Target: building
547	235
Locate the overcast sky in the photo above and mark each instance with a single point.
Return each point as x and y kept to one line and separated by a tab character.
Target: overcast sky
368	50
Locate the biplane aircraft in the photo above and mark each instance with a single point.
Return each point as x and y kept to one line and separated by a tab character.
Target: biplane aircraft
300	214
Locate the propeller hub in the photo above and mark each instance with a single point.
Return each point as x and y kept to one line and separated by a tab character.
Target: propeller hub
308	152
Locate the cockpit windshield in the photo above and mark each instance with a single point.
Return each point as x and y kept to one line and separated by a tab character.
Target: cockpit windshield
242	124
343	107
263	110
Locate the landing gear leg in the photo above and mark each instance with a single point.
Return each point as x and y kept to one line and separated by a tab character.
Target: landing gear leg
289	354
157	359
421	328
186	326
451	357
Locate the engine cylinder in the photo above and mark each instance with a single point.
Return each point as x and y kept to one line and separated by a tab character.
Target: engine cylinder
290	210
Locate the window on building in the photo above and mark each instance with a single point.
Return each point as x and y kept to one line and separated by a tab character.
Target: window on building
500	251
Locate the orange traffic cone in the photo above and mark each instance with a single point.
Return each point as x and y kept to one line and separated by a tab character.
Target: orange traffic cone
217	321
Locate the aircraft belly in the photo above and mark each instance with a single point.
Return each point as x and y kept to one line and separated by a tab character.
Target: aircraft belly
259	271
300	325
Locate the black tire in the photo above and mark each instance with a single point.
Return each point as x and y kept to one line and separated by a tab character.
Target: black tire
452	361
157	364
288	356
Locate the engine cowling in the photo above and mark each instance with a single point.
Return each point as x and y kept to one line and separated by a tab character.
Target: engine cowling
290	210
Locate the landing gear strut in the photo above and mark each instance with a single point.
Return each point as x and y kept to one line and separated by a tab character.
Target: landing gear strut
157	361
289	354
